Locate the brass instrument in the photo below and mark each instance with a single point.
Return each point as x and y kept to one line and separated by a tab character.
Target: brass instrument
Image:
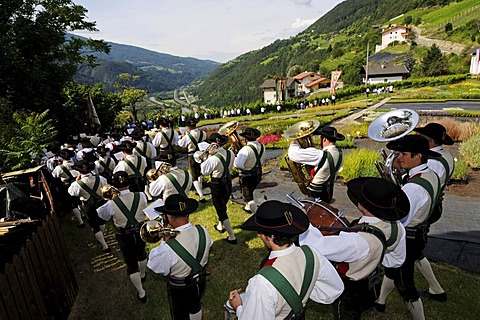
391	126
229	129
153	231
162	169
200	156
109	192
302	132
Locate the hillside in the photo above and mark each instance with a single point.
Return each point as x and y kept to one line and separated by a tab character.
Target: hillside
158	71
336	41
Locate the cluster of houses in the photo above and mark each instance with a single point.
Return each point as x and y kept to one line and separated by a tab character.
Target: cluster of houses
280	89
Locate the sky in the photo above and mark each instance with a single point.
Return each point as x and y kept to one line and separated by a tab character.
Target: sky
217	30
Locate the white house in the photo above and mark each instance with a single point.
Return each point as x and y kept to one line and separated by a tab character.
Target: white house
394	33
475	62
278	90
306	78
384	73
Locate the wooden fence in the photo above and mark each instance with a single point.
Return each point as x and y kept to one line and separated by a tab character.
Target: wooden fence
39	283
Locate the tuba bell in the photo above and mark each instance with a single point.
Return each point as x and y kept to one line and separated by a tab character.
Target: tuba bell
391	126
153	231
109	192
302	132
229	129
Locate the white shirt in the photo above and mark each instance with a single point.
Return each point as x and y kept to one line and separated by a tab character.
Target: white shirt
417	196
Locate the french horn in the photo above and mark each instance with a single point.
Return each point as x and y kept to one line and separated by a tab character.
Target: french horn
229	129
162	169
391	126
153	231
200	156
302	132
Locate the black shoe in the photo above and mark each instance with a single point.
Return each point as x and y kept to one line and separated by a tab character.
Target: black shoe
106	250
142	300
380	307
234	241
150	200
81	225
247	210
203	200
221	231
144	279
440	297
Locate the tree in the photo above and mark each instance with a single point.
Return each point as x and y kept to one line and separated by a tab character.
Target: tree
130	95
448	28
407	20
434	63
410	62
37	59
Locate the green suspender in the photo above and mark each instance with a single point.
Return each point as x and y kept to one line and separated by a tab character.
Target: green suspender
282	285
93	191
444	162
136	169
67	172
144	151
195	142
427	186
129	213
394	233
169	140
225	163
258	157
331	165
106	166
180	189
192	262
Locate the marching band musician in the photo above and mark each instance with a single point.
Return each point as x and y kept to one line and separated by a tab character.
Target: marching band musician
249	161
142	148
134	165
326	162
443	166
219	166
422	188
126	209
303	269
166	138
183	259
105	164
172	181
190	140
87	187
358	251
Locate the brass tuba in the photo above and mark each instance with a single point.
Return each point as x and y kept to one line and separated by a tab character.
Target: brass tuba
229	129
391	126
302	132
153	231
109	192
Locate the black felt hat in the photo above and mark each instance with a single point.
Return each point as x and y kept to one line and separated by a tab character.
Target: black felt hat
84	166
127	145
120	179
66	154
102	149
178	205
191	122
218	138
330	133
412	143
163	122
251	134
278	218
437	132
382	198
136	134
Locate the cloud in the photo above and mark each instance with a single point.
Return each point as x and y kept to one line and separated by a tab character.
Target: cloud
302	2
302	23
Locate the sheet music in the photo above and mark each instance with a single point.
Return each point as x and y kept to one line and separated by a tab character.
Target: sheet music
150	211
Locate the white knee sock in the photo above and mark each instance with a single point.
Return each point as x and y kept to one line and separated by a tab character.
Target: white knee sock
198	188
137	283
147	192
249	205
101	239
102	227
77	215
416	309
228	227
196	316
387	286
142	265
426	270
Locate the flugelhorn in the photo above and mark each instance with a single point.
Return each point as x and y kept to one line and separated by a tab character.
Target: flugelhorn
153	231
229	129
200	156
391	126
109	192
162	169
302	132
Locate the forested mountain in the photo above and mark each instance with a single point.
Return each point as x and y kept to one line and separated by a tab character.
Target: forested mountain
158	71
336	41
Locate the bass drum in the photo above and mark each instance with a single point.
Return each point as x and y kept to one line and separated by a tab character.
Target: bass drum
322	215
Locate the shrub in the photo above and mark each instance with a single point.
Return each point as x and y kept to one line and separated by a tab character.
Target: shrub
356	130
470	151
460	172
457	130
359	163
347	143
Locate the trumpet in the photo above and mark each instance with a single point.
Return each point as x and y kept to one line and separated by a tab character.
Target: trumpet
162	169
109	192
153	231
200	156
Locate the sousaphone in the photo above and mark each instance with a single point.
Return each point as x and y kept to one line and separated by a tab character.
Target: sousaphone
302	132
229	129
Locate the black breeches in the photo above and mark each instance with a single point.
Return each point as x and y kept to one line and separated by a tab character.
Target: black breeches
249	183
353	301
133	250
325	193
194	166
186	300
220	195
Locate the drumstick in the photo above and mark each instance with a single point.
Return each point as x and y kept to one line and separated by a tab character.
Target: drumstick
233	294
